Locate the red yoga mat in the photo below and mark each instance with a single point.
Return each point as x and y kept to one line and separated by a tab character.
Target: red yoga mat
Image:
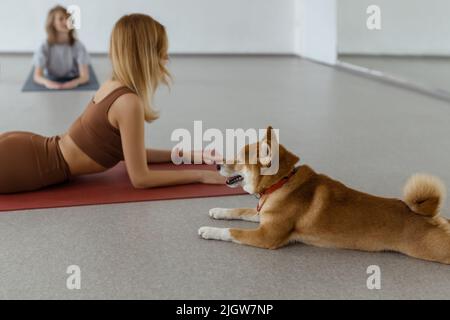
112	186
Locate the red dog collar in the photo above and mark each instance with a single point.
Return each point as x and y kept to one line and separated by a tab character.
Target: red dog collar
263	195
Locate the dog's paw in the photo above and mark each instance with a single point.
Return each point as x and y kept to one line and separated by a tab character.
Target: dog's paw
203	232
219	213
209	233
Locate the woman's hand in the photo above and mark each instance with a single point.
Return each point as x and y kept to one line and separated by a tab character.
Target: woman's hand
53	85
212	177
70	84
212	157
40	79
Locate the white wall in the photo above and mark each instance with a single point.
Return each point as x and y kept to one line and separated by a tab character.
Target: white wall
316	30
194	26
412	27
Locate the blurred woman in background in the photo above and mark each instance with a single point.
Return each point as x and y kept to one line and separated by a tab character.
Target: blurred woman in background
61	62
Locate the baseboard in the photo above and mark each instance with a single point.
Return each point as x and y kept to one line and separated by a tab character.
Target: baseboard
394	80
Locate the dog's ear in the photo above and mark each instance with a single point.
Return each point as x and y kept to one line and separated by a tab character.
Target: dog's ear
271	136
268	146
265	153
269	133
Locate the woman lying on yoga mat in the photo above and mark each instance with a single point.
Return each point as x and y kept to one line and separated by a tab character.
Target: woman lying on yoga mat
111	128
62	61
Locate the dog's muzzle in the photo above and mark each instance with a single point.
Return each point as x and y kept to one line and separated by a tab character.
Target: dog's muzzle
233	180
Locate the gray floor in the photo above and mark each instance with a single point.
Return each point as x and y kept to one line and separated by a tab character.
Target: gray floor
369	135
430	72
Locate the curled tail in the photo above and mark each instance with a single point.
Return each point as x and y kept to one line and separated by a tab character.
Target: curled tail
424	194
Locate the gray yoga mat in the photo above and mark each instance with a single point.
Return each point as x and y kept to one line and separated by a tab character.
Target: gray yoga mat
92	85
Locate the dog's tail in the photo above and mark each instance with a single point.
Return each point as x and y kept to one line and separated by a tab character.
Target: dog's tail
424	194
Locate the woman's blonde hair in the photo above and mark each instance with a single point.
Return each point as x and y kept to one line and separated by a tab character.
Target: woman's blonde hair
52	34
138	50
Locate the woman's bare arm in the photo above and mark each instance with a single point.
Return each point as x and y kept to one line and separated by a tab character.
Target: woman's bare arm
158	156
84	74
129	116
189	156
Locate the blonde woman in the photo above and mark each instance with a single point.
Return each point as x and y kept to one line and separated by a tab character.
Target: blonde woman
111	128
61	62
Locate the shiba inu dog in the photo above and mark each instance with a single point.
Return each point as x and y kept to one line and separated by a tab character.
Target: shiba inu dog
298	204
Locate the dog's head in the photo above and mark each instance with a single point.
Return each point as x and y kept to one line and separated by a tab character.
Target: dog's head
252	168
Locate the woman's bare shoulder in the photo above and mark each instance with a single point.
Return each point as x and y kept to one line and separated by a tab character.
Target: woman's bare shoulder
105	89
127	105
